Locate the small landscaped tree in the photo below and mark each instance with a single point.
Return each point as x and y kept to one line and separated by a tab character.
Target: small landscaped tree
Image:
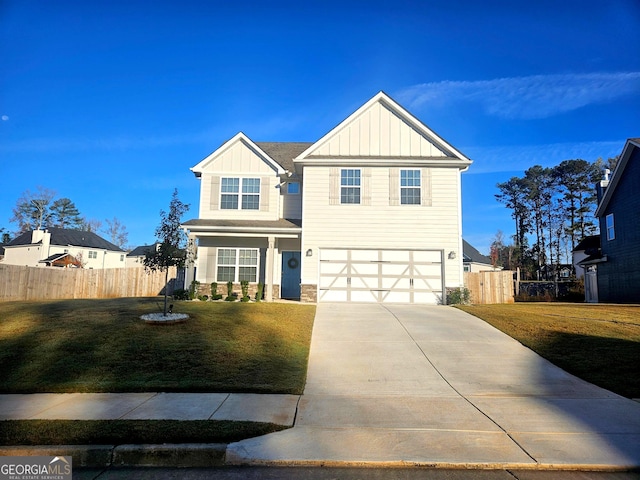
172	242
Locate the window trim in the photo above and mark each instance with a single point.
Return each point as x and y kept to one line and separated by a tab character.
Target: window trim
345	188
611	228
237	264
240	194
410	187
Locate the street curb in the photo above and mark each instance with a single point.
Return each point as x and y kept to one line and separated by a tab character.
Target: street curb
170	455
213	455
83	455
98	456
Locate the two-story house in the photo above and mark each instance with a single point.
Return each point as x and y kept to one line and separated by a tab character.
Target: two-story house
371	212
63	247
616	267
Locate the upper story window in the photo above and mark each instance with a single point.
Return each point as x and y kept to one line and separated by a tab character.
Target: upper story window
240	193
611	231
93	254
410	187
350	186
293	188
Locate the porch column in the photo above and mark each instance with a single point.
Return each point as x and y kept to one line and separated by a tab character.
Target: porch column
269	270
190	264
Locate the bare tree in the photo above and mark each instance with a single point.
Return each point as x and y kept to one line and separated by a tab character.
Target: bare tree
90	224
32	210
116	232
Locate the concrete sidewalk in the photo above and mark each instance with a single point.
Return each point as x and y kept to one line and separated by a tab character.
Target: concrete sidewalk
278	409
424	385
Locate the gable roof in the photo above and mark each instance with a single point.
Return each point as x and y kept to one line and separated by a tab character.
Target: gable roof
239	137
142	250
618	174
359	137
67	237
471	254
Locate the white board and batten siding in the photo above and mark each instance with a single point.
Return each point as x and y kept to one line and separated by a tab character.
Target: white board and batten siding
239	160
378	132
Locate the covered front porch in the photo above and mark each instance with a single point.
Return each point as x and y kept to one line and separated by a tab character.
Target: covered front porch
266	252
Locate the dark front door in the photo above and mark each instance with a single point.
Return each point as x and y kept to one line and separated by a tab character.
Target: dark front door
290	275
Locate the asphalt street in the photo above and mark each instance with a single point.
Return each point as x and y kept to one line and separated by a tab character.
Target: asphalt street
320	473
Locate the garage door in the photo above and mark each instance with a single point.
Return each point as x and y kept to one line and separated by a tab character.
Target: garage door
382	276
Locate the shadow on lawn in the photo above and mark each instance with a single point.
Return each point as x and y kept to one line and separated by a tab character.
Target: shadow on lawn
610	363
105	347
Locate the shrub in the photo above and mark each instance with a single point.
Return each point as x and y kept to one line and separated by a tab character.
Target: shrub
244	285
458	296
203	298
230	296
180	294
193	289
214	291
259	292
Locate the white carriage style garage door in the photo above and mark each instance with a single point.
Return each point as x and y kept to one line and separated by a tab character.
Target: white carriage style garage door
382	276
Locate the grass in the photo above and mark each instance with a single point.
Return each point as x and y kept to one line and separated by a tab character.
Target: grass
117	432
103	346
598	343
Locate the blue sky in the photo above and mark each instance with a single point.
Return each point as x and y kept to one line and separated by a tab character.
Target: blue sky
110	103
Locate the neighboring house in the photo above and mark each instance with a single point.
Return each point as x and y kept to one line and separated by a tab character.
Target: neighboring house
585	249
474	261
617	266
371	212
135	258
556	272
40	248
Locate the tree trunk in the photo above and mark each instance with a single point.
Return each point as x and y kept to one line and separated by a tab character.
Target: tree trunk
166	288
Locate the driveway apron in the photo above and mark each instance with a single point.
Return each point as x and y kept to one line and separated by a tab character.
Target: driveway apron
432	385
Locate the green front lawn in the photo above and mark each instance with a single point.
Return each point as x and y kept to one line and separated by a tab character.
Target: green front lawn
598	343
103	346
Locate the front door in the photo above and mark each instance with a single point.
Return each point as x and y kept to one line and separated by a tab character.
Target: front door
290	275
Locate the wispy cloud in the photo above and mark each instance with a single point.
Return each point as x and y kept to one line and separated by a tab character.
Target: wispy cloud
52	144
518	158
536	96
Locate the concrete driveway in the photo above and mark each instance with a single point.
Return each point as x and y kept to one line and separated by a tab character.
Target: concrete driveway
431	385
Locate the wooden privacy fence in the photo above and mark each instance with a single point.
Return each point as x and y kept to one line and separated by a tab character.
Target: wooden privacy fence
490	287
45	283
